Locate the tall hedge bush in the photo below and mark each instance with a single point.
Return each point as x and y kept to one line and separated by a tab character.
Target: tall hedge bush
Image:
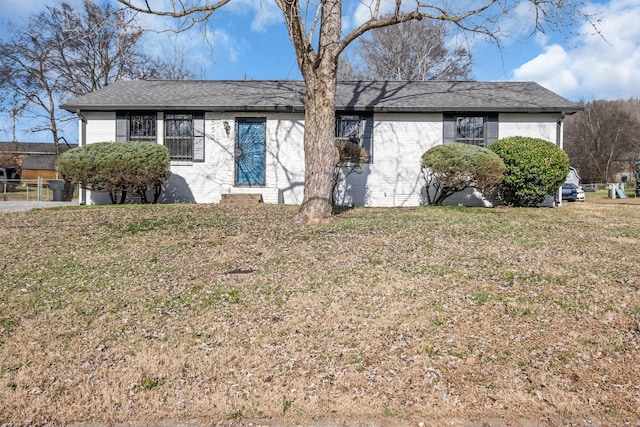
534	168
117	168
450	168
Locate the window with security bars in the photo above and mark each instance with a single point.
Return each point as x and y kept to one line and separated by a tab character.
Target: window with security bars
353	131
179	136
348	127
470	130
142	127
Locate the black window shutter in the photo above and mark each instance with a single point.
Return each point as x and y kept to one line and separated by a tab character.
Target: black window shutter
198	137
492	128
367	135
448	128
122	125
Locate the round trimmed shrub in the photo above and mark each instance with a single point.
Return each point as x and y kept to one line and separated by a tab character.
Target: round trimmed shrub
450	168
118	168
534	168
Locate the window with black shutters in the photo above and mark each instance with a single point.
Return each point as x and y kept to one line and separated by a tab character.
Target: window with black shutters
184	136
475	129
178	137
142	127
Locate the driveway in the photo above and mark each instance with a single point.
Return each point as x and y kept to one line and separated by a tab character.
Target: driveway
25	206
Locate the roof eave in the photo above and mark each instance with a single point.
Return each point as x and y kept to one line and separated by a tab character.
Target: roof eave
525	110
566	109
227	109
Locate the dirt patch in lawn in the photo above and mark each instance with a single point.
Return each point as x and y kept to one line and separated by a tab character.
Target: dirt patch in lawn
213	313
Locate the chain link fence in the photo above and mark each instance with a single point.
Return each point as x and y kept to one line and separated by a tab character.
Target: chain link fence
15	190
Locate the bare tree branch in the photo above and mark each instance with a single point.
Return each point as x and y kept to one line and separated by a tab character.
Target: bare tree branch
63	52
194	14
413	50
422	11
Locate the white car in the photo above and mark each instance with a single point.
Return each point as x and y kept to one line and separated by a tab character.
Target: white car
580	197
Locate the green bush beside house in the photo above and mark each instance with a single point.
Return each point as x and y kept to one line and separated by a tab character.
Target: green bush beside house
118	168
534	168
450	168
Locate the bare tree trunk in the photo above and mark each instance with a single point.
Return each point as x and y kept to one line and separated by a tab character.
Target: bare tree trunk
320	152
54	127
319	69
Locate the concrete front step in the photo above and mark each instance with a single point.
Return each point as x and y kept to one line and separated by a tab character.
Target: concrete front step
240	199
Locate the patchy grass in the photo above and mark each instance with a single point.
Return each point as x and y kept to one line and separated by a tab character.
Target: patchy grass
216	313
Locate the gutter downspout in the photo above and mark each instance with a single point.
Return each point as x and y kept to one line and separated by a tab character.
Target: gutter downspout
82	141
560	144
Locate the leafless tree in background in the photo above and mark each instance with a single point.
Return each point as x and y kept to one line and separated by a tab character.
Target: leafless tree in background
63	52
413	50
604	139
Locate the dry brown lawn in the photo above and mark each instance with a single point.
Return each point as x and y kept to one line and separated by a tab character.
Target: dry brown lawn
231	314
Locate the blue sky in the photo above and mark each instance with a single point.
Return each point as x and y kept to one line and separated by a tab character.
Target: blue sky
247	39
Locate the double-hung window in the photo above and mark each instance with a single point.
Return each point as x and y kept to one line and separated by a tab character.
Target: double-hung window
470	130
178	136
142	127
349	127
136	126
355	129
474	129
184	136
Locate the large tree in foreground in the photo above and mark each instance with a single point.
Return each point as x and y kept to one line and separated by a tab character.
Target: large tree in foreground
316	32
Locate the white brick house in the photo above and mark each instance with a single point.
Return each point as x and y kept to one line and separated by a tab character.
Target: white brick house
247	136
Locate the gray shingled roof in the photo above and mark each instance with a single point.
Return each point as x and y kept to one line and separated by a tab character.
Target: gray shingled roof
39	162
380	96
33	147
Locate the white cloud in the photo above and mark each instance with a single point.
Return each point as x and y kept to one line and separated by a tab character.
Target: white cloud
518	23
365	10
346	23
227	44
606	67
264	12
507	26
15	10
555	58
205	44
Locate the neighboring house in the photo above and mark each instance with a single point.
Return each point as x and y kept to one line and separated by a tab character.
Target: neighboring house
37	166
33	159
228	137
